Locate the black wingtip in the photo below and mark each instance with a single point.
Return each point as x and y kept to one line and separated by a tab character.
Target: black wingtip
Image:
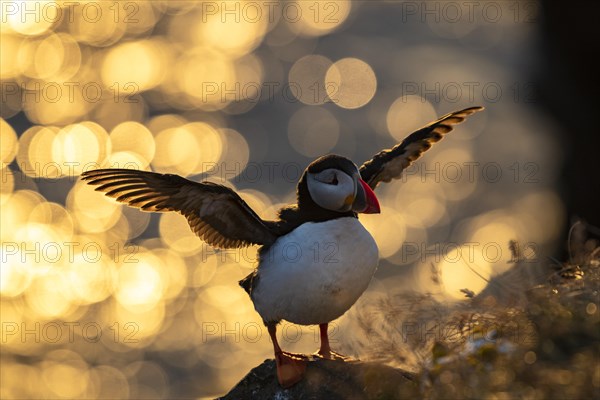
102	172
92	173
86	175
475	108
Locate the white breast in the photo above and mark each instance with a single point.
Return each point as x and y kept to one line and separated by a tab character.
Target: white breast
315	273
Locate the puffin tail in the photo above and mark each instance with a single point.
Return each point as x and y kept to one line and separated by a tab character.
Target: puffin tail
249	282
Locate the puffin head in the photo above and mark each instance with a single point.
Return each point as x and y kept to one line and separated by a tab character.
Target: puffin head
334	183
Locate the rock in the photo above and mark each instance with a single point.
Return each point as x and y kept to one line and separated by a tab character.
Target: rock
328	379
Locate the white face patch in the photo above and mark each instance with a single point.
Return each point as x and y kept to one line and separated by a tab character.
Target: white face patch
332	189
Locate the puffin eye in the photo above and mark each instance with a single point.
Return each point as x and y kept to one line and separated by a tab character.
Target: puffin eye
331	179
328	177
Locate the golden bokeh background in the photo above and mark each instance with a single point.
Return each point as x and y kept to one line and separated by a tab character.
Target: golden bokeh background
103	301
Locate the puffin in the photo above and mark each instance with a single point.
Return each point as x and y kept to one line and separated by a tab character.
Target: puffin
292	281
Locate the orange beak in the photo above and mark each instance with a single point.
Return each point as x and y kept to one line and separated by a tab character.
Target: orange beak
372	204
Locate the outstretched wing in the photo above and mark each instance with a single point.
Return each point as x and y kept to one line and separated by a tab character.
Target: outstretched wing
389	164
215	213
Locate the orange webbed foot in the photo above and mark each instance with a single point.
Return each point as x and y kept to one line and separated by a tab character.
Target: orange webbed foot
290	368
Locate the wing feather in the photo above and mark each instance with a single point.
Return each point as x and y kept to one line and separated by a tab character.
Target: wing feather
215	213
389	164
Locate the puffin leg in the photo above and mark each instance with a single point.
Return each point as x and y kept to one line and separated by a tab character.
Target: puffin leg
290	368
325	350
